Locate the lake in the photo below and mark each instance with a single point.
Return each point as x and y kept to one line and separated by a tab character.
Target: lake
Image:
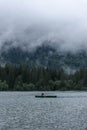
22	111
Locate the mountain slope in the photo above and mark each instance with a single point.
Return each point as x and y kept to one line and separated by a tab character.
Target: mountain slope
45	56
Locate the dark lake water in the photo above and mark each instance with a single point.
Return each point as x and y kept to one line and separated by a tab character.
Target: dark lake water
22	111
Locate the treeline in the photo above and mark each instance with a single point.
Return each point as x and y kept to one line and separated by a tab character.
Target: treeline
25	78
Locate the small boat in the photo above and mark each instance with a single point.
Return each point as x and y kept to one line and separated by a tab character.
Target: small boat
45	96
49	96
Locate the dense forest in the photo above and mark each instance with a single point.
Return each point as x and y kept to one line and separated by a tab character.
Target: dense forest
25	78
44	55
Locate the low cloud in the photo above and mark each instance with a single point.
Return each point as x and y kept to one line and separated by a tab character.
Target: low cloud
28	23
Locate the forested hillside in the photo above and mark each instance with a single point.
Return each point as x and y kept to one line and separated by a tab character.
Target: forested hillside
25	78
45	56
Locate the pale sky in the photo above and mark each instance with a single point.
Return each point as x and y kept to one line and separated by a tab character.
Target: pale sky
55	20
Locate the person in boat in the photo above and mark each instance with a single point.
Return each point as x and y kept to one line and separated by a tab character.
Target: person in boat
42	94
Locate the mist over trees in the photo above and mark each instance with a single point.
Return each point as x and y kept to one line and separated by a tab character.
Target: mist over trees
63	22
25	78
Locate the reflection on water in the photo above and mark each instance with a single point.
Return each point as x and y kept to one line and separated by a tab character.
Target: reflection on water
22	111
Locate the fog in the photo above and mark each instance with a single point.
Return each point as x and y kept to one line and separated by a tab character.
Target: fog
28	23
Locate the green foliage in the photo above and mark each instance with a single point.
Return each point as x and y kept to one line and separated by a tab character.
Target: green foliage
25	78
3	86
29	87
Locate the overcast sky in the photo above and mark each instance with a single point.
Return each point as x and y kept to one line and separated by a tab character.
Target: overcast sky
64	22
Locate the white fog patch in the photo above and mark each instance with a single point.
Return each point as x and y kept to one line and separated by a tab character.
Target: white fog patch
29	23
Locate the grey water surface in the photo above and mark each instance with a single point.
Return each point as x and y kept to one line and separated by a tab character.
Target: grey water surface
22	111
